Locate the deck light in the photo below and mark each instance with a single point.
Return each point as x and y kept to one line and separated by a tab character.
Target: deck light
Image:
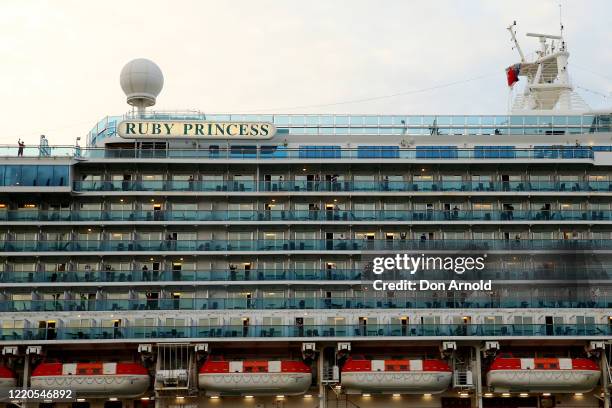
523	394
546	394
366	395
488	394
506	394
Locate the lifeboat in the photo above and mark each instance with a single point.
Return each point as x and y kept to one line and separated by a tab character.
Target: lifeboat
7	378
395	376
93	379
508	374
276	377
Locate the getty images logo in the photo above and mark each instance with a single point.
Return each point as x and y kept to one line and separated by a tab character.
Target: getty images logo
408	263
413	264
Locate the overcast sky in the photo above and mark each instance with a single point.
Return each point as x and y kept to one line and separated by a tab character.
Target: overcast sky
60	60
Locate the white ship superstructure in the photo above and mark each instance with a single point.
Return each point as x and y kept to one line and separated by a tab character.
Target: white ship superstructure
204	260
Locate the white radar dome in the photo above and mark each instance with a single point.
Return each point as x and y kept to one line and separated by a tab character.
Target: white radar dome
141	80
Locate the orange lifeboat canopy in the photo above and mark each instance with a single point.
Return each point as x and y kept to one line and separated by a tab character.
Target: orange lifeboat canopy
359	375
512	374
97	379
254	377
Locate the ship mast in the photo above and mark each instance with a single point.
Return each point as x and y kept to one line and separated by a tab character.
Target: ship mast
548	88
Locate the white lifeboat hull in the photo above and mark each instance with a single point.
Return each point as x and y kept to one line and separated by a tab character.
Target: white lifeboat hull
127	386
543	380
417	382
255	383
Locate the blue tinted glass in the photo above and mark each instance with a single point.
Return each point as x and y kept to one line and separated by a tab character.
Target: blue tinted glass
342	120
12	176
546	120
386	120
399	120
61	175
458	120
45	175
28	176
415	120
501	120
2	175
312	120
473	120
281	120
297	120
574	120
371	120
327	120
516	120
560	120
444	120
428	120
356	120
530	120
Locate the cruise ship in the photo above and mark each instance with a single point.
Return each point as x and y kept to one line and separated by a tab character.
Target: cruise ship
189	259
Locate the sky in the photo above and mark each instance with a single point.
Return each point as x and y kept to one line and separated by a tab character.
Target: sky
60	60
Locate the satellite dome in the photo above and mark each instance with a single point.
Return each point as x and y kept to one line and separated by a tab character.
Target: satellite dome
141	80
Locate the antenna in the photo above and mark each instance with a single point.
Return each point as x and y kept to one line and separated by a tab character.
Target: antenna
560	21
516	44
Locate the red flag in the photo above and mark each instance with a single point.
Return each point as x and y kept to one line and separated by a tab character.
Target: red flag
512	74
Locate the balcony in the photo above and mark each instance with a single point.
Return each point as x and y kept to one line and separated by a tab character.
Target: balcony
318	245
519	273
286	216
345	186
356	332
518	301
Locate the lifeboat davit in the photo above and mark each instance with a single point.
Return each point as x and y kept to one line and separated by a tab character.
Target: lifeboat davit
127	380
7	378
277	377
543	374
395	376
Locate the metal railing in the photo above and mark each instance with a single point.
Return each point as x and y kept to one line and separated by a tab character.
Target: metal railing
284	216
318	245
308	331
497	272
518	301
340	186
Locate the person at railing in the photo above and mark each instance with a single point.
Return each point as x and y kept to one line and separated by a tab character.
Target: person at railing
386	183
455	212
145	273
317	181
191	182
21	145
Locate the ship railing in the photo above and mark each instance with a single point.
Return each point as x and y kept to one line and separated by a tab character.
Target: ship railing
259	332
494	271
299	186
281	245
339	215
546	153
518	301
